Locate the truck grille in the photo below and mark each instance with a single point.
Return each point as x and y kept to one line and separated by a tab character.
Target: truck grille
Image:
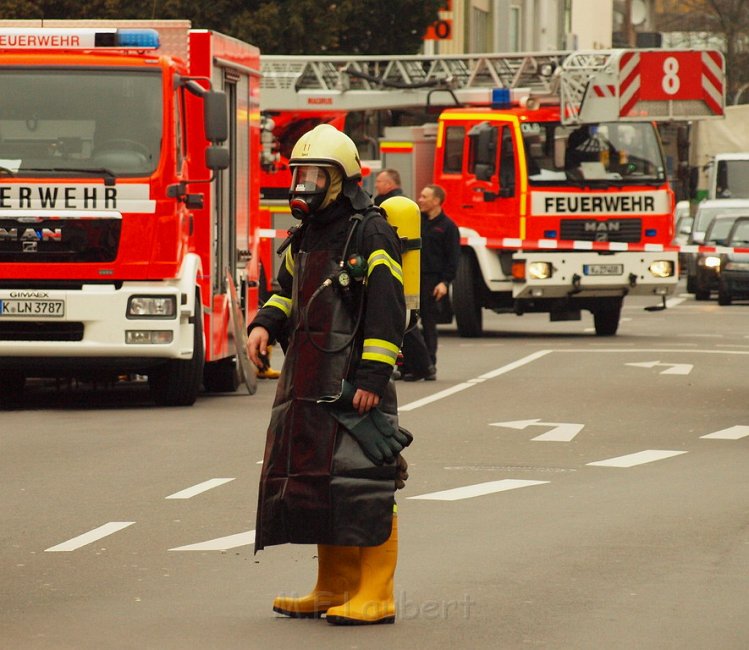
30	239
35	331
620	230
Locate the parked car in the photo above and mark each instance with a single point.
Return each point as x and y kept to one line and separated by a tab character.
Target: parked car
733	283
681	236
682	209
705	213
708	268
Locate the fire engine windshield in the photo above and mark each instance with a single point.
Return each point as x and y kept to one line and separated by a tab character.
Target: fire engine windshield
610	153
98	121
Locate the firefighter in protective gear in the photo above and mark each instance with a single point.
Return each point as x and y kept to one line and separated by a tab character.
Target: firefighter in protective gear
404	215
341	308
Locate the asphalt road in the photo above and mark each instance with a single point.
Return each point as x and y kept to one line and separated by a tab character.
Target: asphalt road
566	491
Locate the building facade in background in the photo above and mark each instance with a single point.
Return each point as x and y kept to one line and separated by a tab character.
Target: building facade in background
478	26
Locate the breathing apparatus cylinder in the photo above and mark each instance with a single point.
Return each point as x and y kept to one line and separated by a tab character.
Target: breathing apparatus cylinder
403	214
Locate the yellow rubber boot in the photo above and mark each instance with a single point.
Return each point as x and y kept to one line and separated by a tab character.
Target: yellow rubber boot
268	372
337	581
373	602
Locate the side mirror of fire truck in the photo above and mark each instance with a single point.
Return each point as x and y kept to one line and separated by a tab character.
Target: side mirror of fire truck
216	158
216	116
216	129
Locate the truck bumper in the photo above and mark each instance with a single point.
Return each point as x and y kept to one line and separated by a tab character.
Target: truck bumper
90	323
591	275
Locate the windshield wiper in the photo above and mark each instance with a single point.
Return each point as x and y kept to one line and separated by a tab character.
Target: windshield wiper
108	175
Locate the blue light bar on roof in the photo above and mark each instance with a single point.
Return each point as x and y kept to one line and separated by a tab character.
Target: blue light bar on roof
139	39
501	98
42	38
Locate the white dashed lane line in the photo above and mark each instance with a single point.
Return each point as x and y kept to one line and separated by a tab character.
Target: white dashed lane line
190	492
477	490
90	537
732	433
221	543
638	458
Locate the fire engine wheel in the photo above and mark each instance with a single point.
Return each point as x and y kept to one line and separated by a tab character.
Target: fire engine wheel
221	376
466	298
11	387
177	382
606	316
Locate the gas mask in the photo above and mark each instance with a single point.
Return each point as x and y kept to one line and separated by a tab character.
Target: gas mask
313	188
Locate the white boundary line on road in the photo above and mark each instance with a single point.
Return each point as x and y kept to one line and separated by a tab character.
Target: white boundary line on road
89	537
447	392
472	382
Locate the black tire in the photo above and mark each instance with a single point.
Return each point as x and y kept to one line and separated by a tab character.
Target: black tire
691	284
466	298
12	383
724	298
177	382
606	316
221	376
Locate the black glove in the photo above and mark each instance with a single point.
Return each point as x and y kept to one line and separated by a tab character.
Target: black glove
378	438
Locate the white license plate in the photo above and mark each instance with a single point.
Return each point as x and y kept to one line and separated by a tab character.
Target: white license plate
32	307
603	269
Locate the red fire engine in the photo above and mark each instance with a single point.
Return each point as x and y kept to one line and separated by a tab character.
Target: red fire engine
552	164
124	220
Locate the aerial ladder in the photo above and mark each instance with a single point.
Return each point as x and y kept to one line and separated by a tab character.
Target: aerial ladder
583	82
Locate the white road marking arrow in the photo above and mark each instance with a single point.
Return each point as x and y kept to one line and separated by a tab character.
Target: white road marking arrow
562	431
671	368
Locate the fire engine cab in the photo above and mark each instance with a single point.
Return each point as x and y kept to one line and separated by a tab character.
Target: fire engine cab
128	156
552	164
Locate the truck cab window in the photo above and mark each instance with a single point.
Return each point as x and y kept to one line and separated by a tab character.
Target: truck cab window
507	164
454	139
57	119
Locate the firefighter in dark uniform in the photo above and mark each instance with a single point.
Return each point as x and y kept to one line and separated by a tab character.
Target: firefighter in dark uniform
332	459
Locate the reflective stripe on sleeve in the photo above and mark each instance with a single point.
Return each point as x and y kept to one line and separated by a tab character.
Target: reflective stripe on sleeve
279	302
381	257
289	261
380	350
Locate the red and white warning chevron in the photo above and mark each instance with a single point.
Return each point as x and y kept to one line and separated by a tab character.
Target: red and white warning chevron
669	75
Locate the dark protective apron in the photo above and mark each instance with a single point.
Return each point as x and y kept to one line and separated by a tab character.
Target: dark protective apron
316	485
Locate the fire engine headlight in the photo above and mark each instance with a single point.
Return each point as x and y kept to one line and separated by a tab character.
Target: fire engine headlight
710	262
152	307
539	270
662	268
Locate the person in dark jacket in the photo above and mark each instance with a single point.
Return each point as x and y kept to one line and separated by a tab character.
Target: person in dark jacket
332	460
440	253
387	185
